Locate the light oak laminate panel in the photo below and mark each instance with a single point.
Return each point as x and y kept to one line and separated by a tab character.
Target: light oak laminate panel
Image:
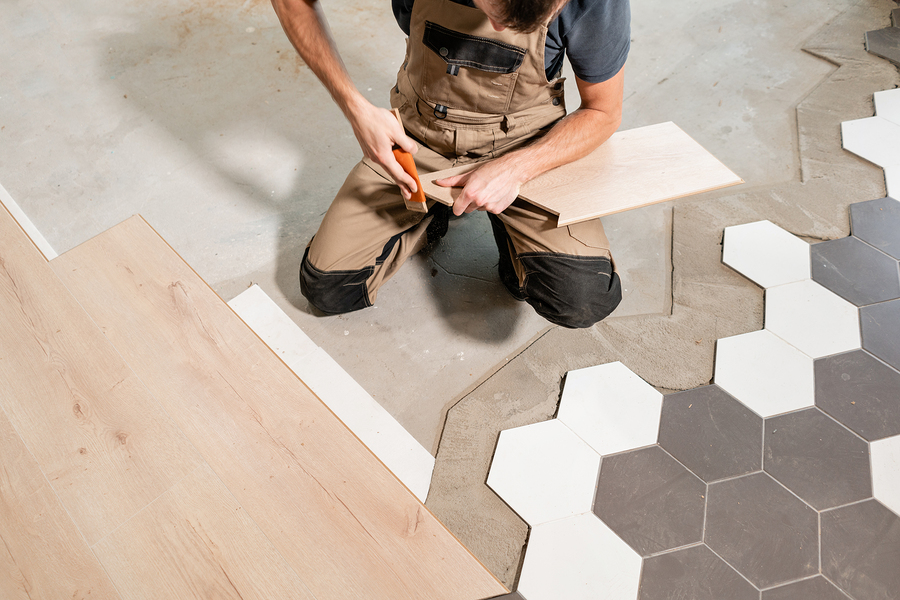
342	521
634	168
194	543
42	554
105	445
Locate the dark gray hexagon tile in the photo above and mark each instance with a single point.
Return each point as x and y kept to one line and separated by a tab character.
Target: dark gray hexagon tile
877	222
881	331
694	573
650	500
884	43
817	458
861	392
711	433
511	596
855	271
861	550
762	530
817	588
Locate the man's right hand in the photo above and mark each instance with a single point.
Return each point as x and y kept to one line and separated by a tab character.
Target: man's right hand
378	132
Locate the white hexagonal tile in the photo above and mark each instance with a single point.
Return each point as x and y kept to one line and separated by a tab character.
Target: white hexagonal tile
610	408
892	180
886	472
887	105
579	558
766	254
812	318
875	139
765	373
544	472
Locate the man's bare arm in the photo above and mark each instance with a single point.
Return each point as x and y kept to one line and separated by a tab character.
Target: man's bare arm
494	186
375	128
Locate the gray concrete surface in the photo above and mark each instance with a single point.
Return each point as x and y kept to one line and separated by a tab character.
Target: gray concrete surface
201	118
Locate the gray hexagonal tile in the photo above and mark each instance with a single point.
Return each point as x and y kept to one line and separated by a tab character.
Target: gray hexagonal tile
861	550
877	222
544	472
765	253
816	588
818	459
764	372
711	433
762	530
855	271
861	392
695	573
814	320
650	500
881	331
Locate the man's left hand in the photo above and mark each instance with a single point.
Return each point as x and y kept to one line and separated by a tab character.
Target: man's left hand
491	187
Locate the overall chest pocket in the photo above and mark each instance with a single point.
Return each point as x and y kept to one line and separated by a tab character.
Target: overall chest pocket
469	72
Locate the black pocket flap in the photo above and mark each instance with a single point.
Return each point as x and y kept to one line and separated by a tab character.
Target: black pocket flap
473	51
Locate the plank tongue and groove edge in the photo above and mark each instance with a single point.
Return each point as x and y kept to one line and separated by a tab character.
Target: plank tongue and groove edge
341	520
633	168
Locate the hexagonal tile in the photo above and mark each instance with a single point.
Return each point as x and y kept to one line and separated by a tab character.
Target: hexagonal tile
766	254
694	573
611	408
812	319
762	530
578	558
877	222
887	105
818	459
886	472
892	180
874	139
861	550
816	588
544	472
856	271
650	500
881	331
711	433
861	392
764	372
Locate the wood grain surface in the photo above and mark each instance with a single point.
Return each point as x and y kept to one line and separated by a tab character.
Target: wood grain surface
105	445
42	554
204	546
331	509
634	168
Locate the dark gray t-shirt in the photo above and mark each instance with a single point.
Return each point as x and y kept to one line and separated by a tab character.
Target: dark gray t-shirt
595	34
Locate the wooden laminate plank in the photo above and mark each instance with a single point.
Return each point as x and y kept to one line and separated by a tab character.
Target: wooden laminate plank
194	543
634	168
337	515
105	445
42	554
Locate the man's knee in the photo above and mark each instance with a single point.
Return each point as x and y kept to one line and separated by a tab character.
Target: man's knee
571	291
334	292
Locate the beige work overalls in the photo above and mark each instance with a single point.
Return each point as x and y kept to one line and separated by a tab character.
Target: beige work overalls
467	93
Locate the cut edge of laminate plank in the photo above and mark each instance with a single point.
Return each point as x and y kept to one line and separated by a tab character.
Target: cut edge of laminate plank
448	195
25	224
140	219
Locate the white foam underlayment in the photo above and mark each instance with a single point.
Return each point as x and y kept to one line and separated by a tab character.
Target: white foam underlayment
372	424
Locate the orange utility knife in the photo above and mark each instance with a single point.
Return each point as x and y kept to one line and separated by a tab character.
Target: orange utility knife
417	202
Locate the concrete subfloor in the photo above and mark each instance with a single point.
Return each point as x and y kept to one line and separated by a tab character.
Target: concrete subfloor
201	118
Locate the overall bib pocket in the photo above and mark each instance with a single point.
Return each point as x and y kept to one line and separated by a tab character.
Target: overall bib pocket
468	72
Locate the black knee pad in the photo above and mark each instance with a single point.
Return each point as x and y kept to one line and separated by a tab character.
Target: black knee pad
334	292
571	291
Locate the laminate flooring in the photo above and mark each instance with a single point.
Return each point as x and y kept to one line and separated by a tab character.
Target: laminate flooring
153	447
